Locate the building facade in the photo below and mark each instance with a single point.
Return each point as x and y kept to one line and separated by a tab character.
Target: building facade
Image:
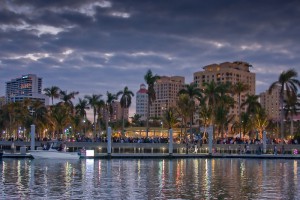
232	72
166	90
270	102
116	114
142	102
24	87
117	110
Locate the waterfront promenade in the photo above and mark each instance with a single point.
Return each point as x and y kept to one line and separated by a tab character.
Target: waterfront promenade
160	150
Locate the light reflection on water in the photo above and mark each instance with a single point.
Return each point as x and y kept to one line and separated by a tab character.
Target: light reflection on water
150	179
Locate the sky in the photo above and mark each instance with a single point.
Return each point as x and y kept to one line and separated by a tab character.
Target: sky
94	46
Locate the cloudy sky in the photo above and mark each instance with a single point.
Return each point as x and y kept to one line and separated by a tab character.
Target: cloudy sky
97	46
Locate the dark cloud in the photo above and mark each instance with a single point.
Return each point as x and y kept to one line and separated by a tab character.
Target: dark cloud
97	46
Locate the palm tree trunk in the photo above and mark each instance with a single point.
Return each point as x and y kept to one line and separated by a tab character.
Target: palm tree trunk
148	116
94	128
292	126
281	117
240	117
123	111
186	139
191	131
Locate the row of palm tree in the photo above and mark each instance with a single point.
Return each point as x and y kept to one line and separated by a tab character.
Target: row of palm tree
62	116
211	103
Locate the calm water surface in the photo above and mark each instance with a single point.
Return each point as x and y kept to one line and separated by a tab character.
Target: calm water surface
150	179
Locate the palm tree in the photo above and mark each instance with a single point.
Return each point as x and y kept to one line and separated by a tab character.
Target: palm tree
67	98
205	113
100	105
221	113
80	108
238	89
252	103
93	102
52	92
109	101
170	117
184	106
193	92
290	109
287	82
40	116
150	80
125	102
212	94
60	117
246	123
136	119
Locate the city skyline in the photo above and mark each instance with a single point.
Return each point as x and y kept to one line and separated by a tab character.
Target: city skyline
98	46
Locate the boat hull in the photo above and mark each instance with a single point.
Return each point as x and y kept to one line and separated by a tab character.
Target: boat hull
40	154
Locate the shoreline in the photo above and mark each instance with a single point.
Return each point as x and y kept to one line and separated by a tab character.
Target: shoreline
165	156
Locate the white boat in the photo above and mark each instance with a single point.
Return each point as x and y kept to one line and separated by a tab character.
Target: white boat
53	153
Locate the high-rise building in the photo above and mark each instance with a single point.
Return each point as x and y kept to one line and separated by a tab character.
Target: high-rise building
24	87
228	72
270	102
166	90
142	102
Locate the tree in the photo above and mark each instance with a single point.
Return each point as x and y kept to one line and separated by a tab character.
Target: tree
205	113
238	89
67	99
150	80
93	101
99	108
185	105
136	119
252	103
52	92
125	102
193	93
109	101
170	117
80	108
80	111
260	120
212	94
290	109
287	82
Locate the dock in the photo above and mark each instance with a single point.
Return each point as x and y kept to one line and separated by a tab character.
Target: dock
185	156
16	155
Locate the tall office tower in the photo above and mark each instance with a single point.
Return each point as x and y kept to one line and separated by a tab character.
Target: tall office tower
228	72
24	87
142	102
270	102
166	89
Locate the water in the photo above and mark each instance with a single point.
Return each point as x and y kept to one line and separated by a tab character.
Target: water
150	179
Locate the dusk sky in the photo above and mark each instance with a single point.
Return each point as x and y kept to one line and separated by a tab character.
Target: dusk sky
98	46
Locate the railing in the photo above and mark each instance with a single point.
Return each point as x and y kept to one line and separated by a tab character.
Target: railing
160	147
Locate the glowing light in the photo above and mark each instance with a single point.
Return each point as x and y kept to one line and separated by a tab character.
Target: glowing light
90	152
